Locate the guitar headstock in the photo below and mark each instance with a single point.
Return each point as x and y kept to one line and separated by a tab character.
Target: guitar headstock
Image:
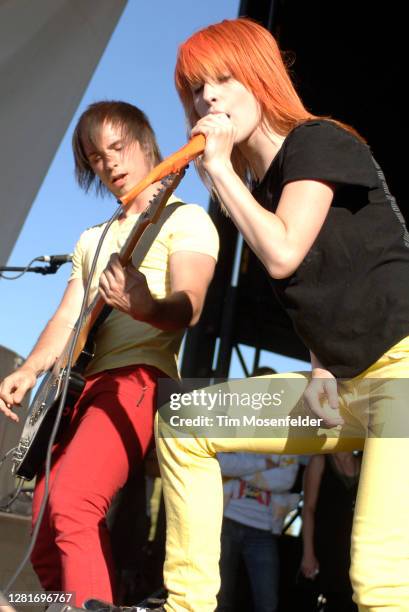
152	213
160	198
174	164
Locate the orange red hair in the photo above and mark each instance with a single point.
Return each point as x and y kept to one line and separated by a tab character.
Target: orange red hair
248	52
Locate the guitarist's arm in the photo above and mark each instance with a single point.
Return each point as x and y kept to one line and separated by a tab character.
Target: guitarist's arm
46	351
190	275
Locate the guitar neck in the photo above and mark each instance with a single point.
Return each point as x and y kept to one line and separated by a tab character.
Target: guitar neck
95	308
97	305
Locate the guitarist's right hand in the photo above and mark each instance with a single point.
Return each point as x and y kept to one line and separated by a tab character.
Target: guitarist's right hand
13	389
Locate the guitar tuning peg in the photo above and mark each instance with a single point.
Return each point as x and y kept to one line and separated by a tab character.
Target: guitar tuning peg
167	179
156	195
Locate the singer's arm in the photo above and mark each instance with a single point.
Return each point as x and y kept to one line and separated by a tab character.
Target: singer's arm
46	350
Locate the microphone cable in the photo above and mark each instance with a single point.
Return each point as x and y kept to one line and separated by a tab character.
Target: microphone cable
12	496
54	261
2	275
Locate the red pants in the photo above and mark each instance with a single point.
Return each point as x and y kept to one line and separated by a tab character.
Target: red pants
111	429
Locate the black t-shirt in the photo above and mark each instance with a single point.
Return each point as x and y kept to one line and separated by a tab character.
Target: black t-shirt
349	298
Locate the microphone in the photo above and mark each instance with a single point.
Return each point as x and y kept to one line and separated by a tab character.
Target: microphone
56	259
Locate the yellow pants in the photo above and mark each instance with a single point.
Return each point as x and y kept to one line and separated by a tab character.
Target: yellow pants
375	408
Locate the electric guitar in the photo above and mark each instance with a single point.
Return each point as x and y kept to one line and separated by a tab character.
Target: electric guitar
30	453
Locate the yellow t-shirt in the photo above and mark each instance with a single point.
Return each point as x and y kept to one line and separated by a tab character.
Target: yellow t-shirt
121	340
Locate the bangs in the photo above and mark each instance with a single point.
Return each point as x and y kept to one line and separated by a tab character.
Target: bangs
133	127
202	58
91	131
200	64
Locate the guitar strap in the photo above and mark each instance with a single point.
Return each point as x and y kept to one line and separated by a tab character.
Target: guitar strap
147	239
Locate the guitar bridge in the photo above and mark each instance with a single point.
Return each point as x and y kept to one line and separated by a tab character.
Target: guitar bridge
36	413
19	453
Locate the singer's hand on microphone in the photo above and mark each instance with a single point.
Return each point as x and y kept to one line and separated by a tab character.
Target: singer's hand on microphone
220	133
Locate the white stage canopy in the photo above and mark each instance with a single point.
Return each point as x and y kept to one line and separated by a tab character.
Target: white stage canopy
48	52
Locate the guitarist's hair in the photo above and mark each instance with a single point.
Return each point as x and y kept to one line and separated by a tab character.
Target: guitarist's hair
135	127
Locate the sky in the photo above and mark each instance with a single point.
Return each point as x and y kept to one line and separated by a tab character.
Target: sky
137	66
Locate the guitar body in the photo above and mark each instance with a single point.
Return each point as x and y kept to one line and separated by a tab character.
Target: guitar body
30	453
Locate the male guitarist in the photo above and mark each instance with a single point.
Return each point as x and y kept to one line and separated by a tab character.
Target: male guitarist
112	422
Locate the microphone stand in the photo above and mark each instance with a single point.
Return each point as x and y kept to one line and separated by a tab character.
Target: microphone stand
52	268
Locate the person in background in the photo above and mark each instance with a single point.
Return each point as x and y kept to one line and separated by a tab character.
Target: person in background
255	507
